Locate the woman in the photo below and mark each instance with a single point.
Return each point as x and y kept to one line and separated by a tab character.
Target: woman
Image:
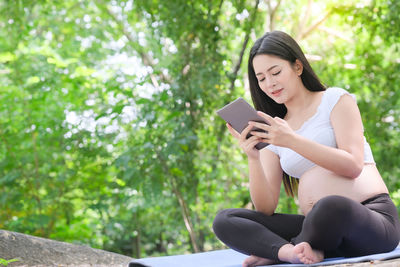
317	148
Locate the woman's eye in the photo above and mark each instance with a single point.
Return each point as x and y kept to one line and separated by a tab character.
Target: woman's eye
276	73
261	80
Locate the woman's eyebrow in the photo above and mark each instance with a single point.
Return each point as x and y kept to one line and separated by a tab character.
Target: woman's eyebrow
267	69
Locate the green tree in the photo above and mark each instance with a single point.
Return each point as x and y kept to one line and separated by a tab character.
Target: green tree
108	130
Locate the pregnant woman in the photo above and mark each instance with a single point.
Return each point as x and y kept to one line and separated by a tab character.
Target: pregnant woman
319	152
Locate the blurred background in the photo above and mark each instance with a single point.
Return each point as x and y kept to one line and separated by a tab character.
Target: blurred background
108	130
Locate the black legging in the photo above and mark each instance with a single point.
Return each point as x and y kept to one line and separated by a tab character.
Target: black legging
336	225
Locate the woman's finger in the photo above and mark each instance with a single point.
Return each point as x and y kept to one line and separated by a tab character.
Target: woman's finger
245	132
233	132
260	125
259	134
266	117
251	142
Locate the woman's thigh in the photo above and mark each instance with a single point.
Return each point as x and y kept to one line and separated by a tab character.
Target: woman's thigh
286	226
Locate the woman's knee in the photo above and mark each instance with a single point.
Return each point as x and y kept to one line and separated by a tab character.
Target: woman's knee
228	222
332	209
334	205
326	223
221	221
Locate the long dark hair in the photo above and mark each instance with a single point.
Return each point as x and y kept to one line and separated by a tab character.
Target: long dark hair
282	45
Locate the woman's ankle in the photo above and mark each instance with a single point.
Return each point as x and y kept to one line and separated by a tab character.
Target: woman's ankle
285	253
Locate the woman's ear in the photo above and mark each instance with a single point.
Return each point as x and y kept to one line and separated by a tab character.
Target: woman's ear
298	67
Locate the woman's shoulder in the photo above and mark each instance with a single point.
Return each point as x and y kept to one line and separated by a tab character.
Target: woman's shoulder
337	91
333	95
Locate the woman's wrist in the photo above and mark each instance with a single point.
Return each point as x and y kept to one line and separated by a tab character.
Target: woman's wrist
293	141
253	159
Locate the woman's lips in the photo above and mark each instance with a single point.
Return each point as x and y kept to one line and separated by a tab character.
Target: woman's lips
277	92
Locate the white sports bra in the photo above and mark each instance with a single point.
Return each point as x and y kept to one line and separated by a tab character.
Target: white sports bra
319	129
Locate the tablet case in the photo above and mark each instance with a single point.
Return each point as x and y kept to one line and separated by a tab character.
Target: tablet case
238	113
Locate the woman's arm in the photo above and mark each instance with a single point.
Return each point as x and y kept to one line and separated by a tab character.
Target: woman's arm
265	175
346	160
265	172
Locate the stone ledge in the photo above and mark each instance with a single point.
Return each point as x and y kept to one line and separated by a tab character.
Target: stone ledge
36	251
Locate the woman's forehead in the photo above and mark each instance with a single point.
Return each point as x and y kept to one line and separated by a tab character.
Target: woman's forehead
265	62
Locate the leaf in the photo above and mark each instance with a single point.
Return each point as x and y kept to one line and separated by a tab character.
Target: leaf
6	262
9	177
176	172
143	101
118	108
83	71
57	61
7	57
32	80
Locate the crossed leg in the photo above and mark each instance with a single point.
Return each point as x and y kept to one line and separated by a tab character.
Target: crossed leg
335	224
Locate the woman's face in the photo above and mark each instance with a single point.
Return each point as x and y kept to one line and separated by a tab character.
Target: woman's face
278	78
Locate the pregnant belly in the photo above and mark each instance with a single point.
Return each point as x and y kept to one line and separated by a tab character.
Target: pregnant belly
319	182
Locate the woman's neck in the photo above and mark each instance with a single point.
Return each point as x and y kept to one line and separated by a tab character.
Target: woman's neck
301	102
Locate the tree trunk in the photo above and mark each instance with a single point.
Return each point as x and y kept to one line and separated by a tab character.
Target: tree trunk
186	218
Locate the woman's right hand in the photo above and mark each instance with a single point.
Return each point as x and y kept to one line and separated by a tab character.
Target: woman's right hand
247	144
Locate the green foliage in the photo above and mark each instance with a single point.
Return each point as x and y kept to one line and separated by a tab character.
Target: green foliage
4	262
108	130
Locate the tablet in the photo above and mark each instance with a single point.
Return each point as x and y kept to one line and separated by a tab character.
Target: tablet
238	113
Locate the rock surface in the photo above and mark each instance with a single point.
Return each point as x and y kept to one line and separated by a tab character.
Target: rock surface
35	251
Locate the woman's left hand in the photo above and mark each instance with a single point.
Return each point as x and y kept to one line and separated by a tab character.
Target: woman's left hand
278	132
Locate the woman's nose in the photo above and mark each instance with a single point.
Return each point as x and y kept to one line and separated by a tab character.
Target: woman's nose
269	82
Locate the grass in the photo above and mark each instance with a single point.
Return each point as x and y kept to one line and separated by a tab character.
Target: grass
4	262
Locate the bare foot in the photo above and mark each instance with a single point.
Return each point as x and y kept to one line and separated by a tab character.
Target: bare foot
301	253
256	261
306	254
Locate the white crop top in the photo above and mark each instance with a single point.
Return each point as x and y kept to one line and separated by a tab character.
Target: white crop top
319	129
